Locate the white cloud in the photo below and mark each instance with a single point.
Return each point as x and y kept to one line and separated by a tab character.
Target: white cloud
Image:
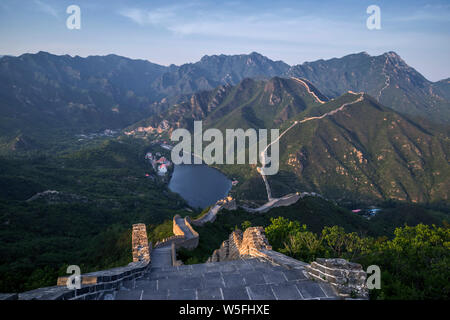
135	15
268	26
160	16
46	8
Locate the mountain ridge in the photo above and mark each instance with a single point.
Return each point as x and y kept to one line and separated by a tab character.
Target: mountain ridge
69	95
362	150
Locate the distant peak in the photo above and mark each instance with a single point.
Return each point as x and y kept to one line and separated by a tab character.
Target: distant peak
215	56
395	58
393	55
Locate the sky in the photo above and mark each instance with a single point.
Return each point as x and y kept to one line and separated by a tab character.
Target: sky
176	32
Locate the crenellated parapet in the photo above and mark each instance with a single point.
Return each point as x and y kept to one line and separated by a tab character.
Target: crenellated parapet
347	278
98	284
240	245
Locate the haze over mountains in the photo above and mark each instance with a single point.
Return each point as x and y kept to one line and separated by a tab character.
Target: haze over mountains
44	92
391	145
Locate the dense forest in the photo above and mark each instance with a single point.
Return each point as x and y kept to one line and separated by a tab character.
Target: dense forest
100	192
409	243
95	194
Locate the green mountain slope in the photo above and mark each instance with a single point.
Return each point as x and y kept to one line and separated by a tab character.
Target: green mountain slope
366	151
93	197
362	150
386	77
249	104
44	95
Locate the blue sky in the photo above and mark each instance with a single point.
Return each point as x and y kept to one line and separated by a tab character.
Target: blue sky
177	32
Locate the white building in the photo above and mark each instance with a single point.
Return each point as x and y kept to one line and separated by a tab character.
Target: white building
162	169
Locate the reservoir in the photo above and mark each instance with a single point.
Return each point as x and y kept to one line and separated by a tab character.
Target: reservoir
200	185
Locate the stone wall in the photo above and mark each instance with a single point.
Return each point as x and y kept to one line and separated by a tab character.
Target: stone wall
226	203
139	239
177	240
254	239
99	284
241	245
176	229
347	278
181	239
95	285
175	262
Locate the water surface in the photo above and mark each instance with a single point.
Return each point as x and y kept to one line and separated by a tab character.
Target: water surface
200	185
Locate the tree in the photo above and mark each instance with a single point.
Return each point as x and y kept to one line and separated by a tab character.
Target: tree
280	228
246	224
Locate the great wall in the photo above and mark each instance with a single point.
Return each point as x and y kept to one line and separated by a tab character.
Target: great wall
244	267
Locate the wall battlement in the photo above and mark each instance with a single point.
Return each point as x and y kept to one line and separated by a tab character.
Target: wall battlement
346	278
98	284
241	244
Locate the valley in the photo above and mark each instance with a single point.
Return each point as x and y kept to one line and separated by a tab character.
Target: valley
75	132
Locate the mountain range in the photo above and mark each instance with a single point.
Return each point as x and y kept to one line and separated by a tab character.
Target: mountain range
393	144
366	151
251	103
43	92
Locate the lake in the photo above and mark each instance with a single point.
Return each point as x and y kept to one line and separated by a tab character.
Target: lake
200	185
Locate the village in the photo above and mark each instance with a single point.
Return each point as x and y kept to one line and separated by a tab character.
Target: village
367	213
159	163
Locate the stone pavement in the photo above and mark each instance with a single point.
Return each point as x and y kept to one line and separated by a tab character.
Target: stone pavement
161	257
249	279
